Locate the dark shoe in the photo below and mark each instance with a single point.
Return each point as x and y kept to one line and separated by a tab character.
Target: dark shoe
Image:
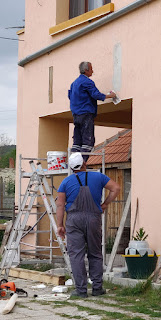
75	293
98	292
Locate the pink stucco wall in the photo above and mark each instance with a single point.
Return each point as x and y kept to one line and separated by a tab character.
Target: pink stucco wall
137	35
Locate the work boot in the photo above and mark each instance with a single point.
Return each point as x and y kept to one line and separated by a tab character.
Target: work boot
75	293
98	292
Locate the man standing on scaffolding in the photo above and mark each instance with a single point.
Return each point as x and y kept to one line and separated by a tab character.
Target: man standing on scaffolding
83	96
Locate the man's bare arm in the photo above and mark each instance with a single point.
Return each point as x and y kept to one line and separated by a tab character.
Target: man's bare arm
60	203
114	189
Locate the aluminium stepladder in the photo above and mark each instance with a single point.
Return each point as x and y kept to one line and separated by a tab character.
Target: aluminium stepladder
37	183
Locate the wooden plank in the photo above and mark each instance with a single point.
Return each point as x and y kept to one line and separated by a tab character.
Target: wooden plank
51	84
36	276
119	233
3	227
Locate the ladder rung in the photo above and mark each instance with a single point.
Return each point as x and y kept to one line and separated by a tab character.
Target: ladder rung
32	213
40	231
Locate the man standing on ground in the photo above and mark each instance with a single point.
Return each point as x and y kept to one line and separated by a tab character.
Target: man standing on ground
83	96
82	193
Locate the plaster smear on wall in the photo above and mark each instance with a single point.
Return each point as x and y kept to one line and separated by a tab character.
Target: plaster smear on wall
117	64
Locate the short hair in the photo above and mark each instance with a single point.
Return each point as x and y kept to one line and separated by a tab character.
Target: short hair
83	66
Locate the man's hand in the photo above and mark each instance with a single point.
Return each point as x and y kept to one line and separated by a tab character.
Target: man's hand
111	94
61	232
104	206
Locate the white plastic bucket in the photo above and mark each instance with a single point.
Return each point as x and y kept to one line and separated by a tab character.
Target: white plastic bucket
56	160
138	246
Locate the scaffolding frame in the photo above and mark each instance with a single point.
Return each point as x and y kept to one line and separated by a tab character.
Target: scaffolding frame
51	174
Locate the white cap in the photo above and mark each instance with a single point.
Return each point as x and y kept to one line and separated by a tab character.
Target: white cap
75	161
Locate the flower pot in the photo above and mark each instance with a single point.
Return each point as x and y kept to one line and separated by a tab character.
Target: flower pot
141	267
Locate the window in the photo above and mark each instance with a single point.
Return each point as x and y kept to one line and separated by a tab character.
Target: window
78	7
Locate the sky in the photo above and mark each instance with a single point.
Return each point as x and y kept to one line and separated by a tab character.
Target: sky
12	14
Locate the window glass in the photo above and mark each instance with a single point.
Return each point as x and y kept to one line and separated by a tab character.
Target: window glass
77	7
93	4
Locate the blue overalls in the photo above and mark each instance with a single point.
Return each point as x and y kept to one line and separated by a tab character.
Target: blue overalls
84	235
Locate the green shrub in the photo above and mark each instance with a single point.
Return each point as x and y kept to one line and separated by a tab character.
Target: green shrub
4	161
109	244
1	236
10	187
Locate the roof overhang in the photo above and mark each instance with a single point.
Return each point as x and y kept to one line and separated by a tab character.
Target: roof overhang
109	115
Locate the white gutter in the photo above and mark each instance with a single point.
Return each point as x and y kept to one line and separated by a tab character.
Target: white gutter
84	30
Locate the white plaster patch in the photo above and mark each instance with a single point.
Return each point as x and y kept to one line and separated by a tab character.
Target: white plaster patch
117	67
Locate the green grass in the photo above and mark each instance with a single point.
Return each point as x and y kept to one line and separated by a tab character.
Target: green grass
69	317
2	221
42	267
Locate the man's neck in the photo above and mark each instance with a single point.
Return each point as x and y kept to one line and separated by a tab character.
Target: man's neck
83	74
83	168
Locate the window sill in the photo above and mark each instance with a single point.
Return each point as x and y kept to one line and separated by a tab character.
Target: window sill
86	17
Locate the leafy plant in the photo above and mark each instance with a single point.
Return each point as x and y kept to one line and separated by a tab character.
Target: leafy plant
140	235
109	244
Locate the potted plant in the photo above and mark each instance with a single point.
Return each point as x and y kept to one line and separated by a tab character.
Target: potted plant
140	235
141	260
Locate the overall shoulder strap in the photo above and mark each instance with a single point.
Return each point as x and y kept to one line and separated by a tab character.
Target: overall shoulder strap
78	180
86	179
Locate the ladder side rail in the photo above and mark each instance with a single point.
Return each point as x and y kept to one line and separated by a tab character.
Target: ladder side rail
18	232
69	169
104	214
51	242
20	169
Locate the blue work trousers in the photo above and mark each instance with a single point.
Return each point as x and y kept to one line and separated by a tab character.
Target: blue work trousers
83	138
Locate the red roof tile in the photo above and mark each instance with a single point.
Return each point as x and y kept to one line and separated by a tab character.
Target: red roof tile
117	149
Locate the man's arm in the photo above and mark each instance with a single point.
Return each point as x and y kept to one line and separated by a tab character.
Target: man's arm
95	93
114	189
60	203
